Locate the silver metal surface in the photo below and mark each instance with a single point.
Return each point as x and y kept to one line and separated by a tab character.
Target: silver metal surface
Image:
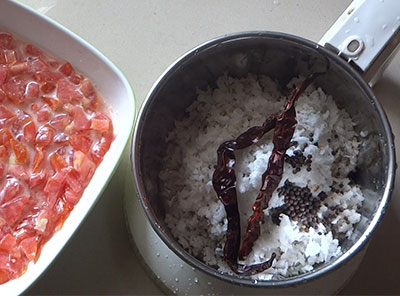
367	35
281	57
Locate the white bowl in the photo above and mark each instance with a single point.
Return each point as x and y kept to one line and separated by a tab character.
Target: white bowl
115	90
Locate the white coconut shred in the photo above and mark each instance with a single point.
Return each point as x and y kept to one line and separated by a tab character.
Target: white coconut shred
317	165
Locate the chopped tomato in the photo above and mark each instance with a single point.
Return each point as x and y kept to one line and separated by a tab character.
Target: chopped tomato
52	102
10	189
67	92
19	68
43	113
87	88
6	40
101	122
8	242
10	56
15	89
5	275
44	136
66	69
54	186
48	87
3	74
80	142
30	247
37	160
11	210
100	148
3	153
37	65
57	162
32	50
29	132
20	151
75	78
18	171
47	76
32	91
5	136
60	121
84	167
6	113
80	120
37	179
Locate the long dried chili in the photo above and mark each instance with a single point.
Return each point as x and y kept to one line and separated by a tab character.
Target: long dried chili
224	182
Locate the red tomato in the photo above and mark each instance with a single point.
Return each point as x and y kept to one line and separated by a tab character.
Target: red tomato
52	102
37	160
30	247
15	89
10	56
84	167
3	74
32	91
20	68
44	135
48	87
87	88
101	122
47	76
60	121
37	65
18	171
11	188
54	186
43	113
80	142
67	92
6	113
100	148
20	151
32	50
66	69
57	162
8	242
29	130
5	136
3	153
11	211
79	118
6	40
38	179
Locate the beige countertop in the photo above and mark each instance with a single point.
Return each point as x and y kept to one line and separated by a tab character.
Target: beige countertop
142	38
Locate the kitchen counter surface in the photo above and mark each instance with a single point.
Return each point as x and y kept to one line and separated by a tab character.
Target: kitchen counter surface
142	38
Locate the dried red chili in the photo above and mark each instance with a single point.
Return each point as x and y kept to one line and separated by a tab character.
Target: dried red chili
224	182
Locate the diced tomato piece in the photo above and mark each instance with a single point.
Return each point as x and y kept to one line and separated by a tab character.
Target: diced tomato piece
5	136
47	76
87	88
84	167
29	132
30	247
37	160
37	179
73	181
11	211
75	78
101	122
66	69
5	112
3	95
20	151
55	184
72	197
3	74
43	113
48	87
60	121
15	89
6	40
37	65
19	68
10	56
67	91
5	275
32	91
18	171
60	138
80	142
7	242
100	148
79	118
32	50
44	135
52	102
57	162
3	153
62	210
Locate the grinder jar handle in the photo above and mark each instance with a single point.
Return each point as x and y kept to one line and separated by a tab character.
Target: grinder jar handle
367	35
